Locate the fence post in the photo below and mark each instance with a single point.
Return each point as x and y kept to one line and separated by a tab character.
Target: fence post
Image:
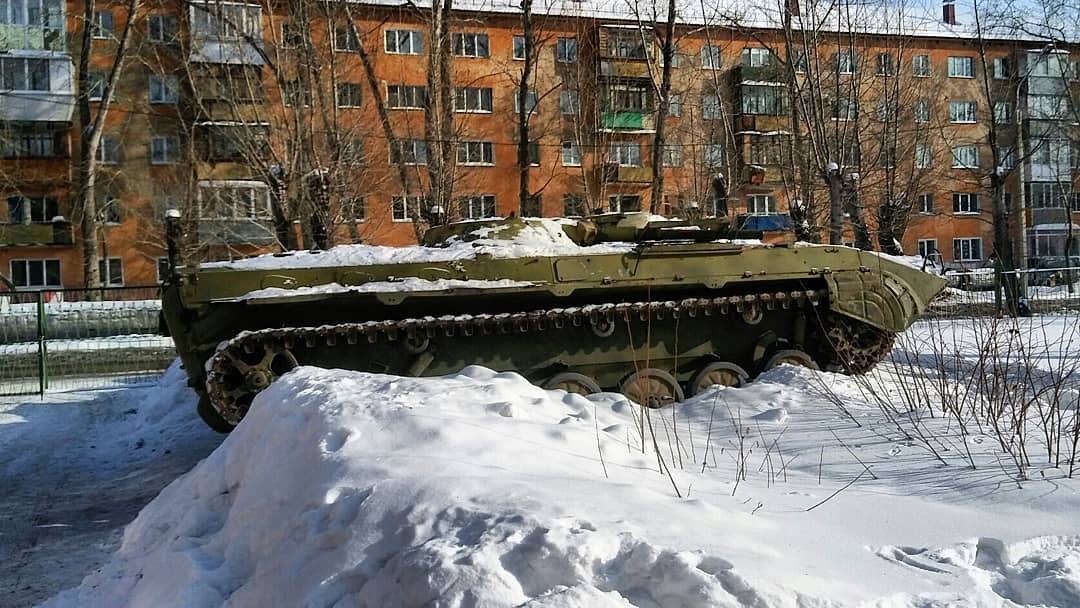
43	368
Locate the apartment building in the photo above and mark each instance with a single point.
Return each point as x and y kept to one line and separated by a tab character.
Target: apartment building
286	125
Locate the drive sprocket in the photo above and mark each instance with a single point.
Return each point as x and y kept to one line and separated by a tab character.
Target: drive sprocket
854	347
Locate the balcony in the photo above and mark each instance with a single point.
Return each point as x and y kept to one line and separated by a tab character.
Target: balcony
55	234
624	68
614	173
762	74
634	121
31	38
47	95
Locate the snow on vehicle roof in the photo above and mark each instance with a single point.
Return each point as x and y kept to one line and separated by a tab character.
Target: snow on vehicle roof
408	284
538	238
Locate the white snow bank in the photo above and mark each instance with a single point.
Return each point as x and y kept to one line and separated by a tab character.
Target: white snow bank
538	238
408	284
479	489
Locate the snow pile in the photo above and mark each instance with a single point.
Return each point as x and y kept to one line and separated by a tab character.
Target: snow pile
480	489
407	284
537	238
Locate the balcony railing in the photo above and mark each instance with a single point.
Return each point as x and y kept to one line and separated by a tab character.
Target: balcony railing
31	38
641	121
624	68
615	173
51	234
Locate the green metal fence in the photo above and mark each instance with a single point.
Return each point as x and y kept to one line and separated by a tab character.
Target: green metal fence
64	339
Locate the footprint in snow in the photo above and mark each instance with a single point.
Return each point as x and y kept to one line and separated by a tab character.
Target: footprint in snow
896	451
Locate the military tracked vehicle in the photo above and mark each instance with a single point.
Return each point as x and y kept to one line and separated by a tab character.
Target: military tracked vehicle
656	309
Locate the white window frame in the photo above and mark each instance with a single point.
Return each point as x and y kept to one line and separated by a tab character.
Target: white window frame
25	79
924	156
157	30
108	152
109	212
710	107
566	50
353	88
532	102
476	153
351	42
105	267
1007	156
921	66
886	64
672	155
571	154
756	57
473	100
44	273
845	62
1003	112
164	150
921	201
207	22
963	112
625	153
962	243
164	89
713	155
98	31
258	208
965	157
920	111
761	204
961	67
401	207
616	202
477	206
1002	69
927	248
161	263
460	42
352	203
519	47
406	97
674	105
405	42
965	203
711	57
418	155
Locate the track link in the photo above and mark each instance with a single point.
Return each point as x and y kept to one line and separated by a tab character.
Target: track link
231	396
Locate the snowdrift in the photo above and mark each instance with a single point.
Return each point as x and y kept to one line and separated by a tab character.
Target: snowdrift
479	489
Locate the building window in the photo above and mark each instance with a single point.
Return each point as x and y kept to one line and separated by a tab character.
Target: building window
234	201
714	155
928	248
962	111
295	94
476	153
1007	157
672	155
967	250
625	153
409	152
531	100
885	65
472	100
961	67
292	35
566	50
571	154
756	57
924	156
24	74
710	107
226	21
846	109
111	271
35	273
799	60
624	203
887	157
845	62
477	206
164	89
1002	112
925	203
162	269
32	209
764	150
534	153
626	44
471	44
887	111
921	111
108	152
346	39
406	97
573	205
628	98
161	28
1001	68
103	26
532	206
674	105
965	157
519	48
29	142
95	90
965	202
404	42
761	204
348	95
761	99
404	208
569	103
164	150
920	66
710	57
1045	195
109	210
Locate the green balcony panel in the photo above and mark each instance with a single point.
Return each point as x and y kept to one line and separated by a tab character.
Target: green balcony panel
623	120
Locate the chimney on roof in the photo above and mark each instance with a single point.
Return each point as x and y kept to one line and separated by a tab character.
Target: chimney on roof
948	12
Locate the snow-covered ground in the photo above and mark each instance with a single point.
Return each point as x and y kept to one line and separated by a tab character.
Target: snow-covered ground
478	489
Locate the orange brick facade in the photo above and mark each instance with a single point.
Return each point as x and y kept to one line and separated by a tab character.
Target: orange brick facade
587	85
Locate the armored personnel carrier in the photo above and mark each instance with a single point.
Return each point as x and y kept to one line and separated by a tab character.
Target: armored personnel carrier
656	309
